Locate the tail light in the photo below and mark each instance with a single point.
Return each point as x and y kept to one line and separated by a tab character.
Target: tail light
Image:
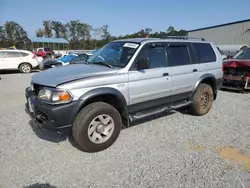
234	64
34	56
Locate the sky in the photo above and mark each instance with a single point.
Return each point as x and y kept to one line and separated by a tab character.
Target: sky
125	17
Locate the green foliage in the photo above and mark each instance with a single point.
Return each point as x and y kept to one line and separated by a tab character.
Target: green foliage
47	28
40	33
80	35
11	33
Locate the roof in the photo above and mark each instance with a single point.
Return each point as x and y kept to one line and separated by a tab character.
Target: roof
167	39
17	50
137	40
211	27
49	40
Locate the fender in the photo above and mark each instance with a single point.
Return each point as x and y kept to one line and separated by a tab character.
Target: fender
82	101
203	78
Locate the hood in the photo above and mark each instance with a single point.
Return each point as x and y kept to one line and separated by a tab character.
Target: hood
236	63
59	75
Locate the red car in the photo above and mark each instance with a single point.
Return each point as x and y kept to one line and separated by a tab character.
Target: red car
237	71
44	52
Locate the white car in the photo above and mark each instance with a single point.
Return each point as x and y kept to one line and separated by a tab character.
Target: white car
21	60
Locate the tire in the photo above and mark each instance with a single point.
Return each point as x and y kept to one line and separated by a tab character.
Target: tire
25	68
202	100
82	122
48	56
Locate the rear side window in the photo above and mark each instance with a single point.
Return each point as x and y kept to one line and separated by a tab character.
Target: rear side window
22	54
204	52
13	54
178	55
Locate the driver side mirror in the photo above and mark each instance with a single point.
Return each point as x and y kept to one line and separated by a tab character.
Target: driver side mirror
143	63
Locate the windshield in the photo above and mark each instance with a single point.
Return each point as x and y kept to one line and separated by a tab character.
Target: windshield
67	58
243	54
116	54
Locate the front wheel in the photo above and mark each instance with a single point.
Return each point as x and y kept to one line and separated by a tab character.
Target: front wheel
97	127
25	68
202	100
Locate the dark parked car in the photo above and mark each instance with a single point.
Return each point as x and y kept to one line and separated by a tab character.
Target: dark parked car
65	60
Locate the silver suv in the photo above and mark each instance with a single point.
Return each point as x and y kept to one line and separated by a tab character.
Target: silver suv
124	81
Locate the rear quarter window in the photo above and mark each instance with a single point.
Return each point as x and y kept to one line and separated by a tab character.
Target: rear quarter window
204	52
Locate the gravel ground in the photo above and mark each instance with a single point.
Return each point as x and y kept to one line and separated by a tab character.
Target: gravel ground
175	150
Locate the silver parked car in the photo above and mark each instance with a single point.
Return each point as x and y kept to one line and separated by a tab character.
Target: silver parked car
124	81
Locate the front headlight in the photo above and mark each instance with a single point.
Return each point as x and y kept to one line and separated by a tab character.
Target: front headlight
54	96
31	86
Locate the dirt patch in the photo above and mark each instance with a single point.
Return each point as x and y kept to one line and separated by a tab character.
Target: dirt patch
233	154
193	146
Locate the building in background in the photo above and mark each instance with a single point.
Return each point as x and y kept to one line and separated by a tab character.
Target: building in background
228	37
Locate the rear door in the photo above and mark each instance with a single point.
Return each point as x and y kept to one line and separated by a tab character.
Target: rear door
207	60
13	60
183	71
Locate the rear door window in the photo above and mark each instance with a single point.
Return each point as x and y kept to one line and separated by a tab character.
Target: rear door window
204	52
178	54
12	54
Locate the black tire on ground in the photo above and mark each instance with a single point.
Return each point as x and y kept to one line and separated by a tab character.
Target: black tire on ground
48	56
202	100
25	68
83	120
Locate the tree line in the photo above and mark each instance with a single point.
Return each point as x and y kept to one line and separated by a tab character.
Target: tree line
80	35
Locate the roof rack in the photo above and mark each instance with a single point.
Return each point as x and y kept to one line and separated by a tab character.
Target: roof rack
182	37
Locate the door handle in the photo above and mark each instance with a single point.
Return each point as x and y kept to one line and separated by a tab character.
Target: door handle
165	74
195	70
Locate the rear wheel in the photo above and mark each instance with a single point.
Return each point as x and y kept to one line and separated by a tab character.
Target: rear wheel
25	68
202	100
96	127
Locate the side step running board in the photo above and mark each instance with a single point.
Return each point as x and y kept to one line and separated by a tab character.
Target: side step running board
146	113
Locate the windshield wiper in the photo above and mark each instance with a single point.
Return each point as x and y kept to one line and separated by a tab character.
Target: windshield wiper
103	63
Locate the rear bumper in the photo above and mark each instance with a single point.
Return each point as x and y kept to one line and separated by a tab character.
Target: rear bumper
236	82
54	118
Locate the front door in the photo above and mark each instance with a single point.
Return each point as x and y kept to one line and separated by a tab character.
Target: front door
153	86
